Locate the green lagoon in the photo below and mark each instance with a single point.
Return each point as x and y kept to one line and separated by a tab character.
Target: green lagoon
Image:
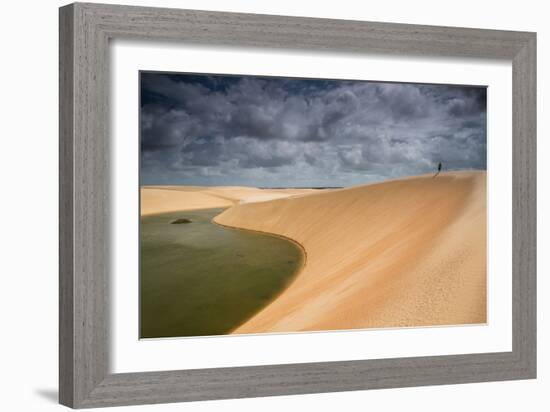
198	278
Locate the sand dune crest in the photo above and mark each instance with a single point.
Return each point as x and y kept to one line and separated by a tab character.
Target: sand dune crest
407	252
163	199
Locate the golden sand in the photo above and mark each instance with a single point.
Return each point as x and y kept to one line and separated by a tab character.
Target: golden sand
408	252
163	199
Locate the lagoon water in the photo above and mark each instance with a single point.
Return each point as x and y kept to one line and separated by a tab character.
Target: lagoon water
200	278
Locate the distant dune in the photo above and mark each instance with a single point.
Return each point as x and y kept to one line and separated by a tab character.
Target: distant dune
408	252
163	199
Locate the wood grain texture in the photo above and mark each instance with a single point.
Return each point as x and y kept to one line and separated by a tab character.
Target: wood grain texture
85	31
524	225
66	109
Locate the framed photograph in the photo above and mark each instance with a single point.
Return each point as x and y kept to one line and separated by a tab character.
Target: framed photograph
256	205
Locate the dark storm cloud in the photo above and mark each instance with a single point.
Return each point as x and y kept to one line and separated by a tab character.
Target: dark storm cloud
201	129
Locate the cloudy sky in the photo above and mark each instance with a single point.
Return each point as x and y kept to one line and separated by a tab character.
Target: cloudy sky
282	132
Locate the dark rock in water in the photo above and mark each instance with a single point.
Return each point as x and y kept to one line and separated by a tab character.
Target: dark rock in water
180	221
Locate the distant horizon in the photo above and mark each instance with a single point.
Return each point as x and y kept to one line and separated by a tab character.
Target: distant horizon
306	187
277	132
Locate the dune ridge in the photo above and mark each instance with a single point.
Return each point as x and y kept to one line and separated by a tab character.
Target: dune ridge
163	199
155	200
407	252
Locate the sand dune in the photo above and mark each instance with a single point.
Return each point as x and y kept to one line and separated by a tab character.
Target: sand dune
407	252
162	199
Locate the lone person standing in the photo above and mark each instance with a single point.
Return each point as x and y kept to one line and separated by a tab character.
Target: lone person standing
438	169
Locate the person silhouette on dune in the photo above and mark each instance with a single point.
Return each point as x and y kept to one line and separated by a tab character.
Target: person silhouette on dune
438	169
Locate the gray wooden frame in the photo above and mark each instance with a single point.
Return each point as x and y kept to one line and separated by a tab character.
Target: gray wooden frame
85	31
